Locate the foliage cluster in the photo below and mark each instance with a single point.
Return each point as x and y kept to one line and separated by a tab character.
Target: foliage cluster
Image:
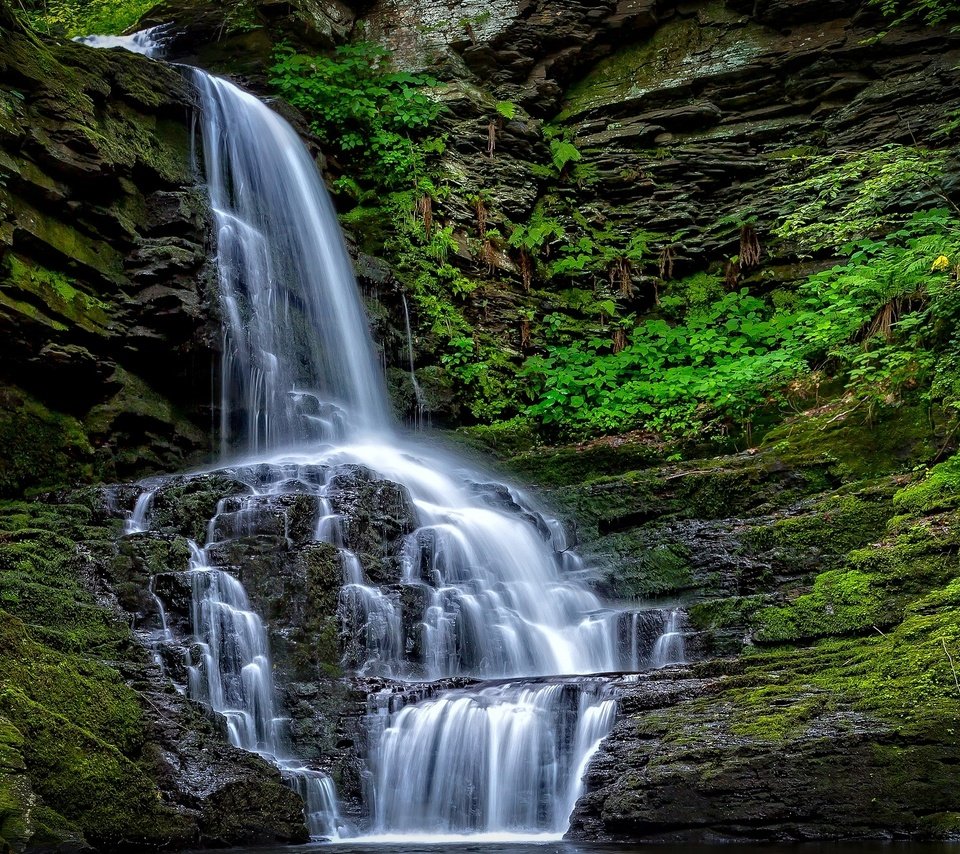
882	320
360	106
85	17
385	122
931	13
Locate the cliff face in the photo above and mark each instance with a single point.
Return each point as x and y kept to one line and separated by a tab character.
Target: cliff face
688	120
106	321
107	343
816	575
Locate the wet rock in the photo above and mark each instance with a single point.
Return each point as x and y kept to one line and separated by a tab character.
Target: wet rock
378	514
103	261
185	505
234	797
693	779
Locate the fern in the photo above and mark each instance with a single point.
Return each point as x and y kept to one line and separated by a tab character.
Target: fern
563	153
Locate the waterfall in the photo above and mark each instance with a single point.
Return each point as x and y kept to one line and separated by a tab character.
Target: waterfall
502	759
234	676
669	647
490	588
488	576
421	417
298	364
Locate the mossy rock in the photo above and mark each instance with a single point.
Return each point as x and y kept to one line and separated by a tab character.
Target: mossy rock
42	449
185	505
938	490
856	450
17	799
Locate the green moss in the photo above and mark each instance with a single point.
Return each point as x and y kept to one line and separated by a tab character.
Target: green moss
841	602
857	450
39	448
16	795
939	490
128	137
903	678
580	464
642	571
57	295
833	526
504	439
186	507
67	243
87	779
730	612
81	728
679	51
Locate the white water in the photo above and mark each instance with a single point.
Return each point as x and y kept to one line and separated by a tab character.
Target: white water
669	647
495	590
505	758
298	363
147	42
234	676
421	415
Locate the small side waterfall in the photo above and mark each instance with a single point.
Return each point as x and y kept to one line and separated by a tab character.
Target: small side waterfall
229	669
421	412
669	648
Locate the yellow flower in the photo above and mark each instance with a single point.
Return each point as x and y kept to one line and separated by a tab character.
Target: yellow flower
942	263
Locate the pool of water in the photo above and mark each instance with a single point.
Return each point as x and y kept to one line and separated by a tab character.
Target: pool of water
361	846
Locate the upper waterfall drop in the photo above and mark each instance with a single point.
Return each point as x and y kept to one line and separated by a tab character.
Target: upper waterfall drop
298	362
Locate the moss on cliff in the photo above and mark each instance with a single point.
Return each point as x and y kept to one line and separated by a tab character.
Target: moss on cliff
100	265
41	448
77	727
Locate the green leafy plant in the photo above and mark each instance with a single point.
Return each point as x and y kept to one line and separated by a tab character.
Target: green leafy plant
563	153
848	195
71	18
360	106
884	321
932	13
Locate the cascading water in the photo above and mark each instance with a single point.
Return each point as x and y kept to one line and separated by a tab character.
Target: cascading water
298	362
421	416
504	758
234	677
489	587
493	588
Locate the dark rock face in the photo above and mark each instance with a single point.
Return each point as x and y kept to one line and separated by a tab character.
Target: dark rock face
233	797
267	539
824	719
106	291
693	777
377	515
532	50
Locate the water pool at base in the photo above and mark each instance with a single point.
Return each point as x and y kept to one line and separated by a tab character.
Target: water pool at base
505	846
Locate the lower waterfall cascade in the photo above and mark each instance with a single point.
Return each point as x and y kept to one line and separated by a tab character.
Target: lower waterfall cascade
488	589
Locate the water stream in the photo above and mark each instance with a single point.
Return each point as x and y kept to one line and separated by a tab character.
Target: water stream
489	585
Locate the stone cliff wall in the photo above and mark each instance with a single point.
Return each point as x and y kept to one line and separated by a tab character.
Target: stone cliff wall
107	333
688	117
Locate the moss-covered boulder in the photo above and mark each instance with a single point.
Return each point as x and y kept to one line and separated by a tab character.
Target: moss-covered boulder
97	748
